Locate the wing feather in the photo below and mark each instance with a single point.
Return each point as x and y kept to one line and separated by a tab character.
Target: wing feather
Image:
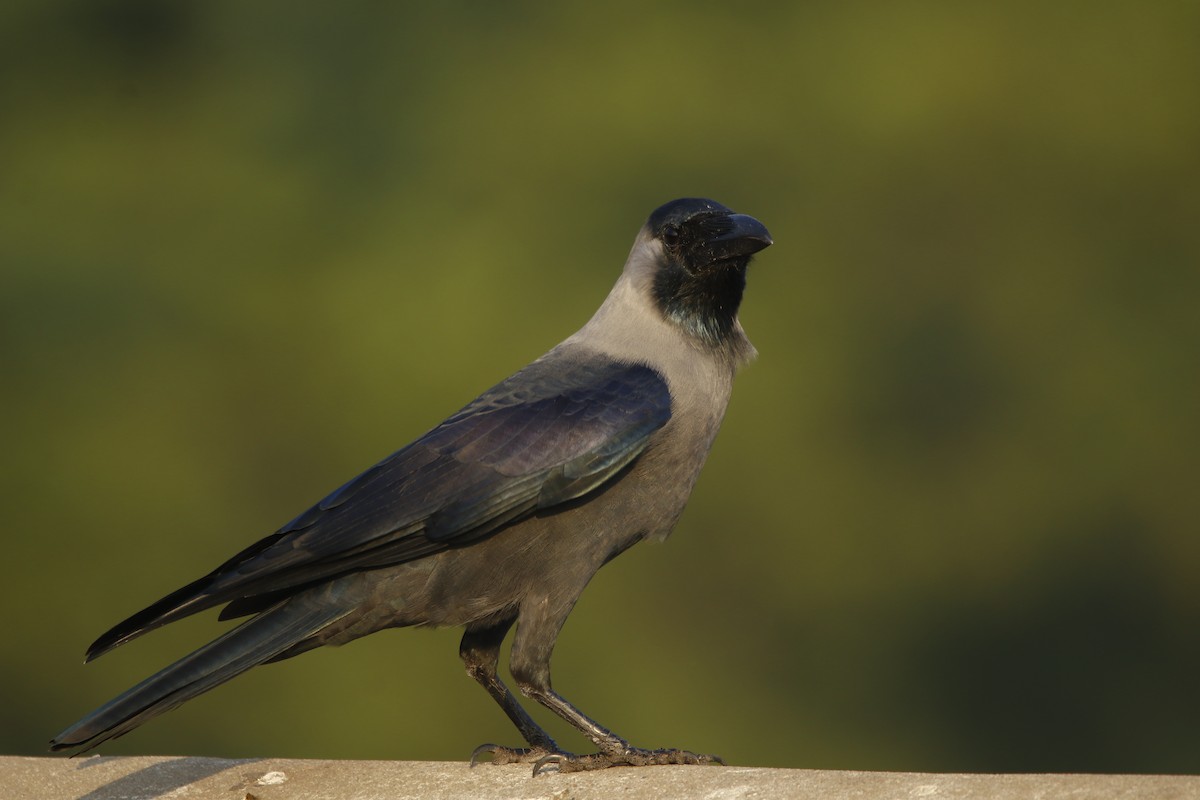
553	432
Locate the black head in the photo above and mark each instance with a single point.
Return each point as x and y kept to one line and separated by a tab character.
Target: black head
706	248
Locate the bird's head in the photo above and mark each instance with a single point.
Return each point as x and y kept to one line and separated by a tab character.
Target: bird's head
698	252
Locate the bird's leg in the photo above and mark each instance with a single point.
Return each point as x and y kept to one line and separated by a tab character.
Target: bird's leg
480	651
614	751
530	665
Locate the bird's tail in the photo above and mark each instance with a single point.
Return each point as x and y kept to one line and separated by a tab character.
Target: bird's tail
258	640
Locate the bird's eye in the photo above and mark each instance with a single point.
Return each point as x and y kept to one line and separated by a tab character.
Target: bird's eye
670	236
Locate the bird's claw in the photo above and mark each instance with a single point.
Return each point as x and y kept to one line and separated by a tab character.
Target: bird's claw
546	760
514	755
625	757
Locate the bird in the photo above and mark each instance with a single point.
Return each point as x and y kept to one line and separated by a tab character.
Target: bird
499	516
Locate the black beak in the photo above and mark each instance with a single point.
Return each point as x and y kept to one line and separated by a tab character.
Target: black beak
746	237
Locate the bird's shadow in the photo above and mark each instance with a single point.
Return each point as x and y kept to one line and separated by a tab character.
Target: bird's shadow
160	779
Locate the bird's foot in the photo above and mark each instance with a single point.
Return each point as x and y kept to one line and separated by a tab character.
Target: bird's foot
625	757
515	755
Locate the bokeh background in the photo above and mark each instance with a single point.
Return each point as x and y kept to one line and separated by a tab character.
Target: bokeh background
247	249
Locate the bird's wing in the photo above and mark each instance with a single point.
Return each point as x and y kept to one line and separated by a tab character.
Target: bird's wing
553	432
547	435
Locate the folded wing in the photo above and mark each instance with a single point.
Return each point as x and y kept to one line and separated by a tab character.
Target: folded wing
553	432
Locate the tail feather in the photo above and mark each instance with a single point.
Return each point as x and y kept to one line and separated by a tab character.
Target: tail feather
256	641
176	605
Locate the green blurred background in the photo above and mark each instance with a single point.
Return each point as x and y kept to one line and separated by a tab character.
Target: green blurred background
247	249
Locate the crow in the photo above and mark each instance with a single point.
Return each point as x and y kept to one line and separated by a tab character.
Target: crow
501	514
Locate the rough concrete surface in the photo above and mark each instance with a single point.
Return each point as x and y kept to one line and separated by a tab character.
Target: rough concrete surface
144	777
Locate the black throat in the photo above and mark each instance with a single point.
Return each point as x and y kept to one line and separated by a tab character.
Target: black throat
704	301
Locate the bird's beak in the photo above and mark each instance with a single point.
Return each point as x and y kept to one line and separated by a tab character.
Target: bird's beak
746	237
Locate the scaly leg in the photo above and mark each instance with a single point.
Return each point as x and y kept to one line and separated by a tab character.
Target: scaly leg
480	651
530	663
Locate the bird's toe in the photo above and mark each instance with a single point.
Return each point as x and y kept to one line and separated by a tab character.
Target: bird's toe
626	757
514	755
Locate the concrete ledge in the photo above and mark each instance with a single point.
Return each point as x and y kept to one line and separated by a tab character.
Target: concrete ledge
145	777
